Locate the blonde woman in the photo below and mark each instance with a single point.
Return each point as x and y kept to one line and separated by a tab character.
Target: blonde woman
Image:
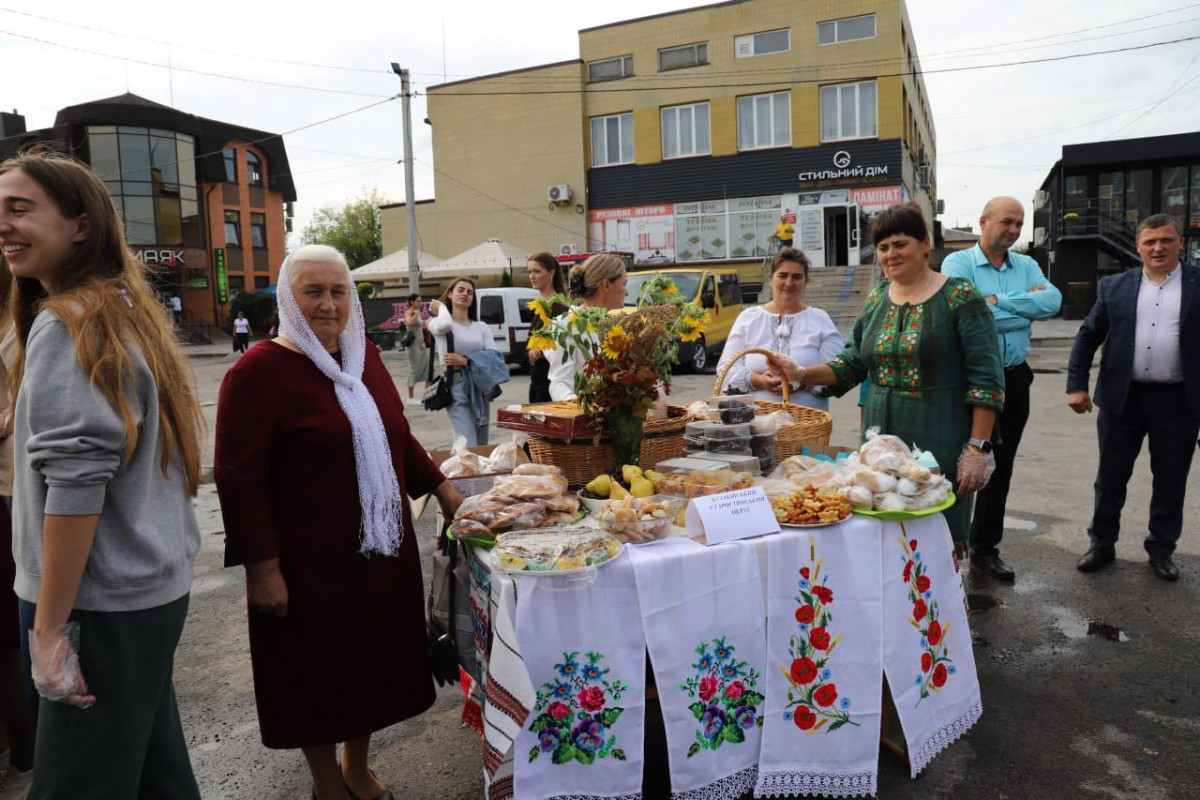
598	282
105	431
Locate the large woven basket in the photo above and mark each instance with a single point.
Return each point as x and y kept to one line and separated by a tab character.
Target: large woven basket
582	460
812	425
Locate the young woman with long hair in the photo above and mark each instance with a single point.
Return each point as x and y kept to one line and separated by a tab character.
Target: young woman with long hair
106	435
545	275
454	313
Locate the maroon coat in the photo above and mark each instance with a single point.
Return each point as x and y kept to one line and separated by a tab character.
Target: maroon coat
349	658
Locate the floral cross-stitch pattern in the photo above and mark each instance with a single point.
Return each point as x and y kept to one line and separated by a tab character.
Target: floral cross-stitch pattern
728	698
936	665
577	711
813	701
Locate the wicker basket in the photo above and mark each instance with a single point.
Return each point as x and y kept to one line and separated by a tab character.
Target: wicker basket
813	425
582	460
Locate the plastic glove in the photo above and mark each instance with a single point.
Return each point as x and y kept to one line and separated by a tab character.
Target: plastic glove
974	469
56	673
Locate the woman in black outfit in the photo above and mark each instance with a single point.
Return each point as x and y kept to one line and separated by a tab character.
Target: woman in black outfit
545	275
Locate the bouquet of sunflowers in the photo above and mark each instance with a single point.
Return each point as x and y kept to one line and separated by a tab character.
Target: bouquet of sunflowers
629	352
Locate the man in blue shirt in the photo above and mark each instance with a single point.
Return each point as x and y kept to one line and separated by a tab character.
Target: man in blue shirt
1017	293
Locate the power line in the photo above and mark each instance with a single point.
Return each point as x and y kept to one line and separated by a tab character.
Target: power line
188	70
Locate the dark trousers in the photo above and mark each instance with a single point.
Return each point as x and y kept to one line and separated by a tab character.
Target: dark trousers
1162	413
130	744
987	527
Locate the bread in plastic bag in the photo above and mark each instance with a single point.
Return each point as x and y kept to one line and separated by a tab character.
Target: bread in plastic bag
507	456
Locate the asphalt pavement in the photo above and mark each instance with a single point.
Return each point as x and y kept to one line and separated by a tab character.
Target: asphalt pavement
1089	682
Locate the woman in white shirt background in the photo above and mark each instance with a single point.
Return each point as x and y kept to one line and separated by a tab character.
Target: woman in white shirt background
598	282
785	325
455	312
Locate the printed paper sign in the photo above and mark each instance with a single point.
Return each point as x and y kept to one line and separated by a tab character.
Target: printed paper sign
724	517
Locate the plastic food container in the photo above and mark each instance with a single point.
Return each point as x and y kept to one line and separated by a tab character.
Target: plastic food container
592	504
730	410
636	520
554	551
734	461
711	479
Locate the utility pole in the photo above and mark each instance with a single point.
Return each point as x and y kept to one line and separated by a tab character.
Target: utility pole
410	202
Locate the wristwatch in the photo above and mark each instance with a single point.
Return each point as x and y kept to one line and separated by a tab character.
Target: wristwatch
983	444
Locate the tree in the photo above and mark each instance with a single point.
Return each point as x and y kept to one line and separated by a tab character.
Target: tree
352	228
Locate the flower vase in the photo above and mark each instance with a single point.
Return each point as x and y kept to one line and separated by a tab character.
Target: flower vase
626	430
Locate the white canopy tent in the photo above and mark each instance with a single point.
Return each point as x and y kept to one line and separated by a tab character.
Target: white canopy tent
492	257
393	266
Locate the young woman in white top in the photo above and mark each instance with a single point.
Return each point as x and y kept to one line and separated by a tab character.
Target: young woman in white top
785	325
455	312
598	282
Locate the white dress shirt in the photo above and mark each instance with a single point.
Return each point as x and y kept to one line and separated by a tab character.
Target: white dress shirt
1156	356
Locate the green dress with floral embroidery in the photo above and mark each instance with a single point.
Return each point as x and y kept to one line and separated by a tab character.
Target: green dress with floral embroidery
929	364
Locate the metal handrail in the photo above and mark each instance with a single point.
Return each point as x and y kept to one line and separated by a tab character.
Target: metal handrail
1086	218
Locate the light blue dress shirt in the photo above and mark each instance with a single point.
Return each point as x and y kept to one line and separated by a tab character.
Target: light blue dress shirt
1016	307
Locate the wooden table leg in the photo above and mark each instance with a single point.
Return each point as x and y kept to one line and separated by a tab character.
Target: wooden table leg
898	749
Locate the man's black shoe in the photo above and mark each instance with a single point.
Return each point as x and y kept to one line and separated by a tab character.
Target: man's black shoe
993	565
1096	558
1164	567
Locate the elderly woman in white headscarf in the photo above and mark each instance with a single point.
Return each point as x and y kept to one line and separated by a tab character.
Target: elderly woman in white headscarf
314	459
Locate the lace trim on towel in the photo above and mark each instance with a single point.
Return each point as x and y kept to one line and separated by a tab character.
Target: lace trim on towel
635	796
730	787
786	784
943	737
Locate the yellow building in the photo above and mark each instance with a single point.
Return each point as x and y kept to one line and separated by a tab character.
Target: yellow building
686	136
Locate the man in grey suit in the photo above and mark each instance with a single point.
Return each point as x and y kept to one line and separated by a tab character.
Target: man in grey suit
1149	385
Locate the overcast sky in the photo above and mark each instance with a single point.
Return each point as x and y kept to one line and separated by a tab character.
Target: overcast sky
1009	84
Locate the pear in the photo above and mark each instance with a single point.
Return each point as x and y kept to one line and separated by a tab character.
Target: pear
652	475
640	487
618	492
600	485
631	472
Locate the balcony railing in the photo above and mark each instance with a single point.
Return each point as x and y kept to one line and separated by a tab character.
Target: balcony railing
1082	219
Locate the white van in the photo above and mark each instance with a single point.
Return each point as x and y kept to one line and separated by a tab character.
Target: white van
505	310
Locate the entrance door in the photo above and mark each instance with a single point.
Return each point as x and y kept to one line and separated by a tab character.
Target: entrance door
837	235
854	235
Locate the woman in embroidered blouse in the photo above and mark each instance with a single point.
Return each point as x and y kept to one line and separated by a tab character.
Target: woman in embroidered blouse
455	312
928	344
785	325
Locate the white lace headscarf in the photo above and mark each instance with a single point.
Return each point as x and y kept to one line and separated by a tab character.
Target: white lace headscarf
378	490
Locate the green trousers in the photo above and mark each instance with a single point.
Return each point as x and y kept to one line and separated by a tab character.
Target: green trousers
130	743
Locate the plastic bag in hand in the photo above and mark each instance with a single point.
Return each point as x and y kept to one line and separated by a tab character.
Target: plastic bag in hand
975	468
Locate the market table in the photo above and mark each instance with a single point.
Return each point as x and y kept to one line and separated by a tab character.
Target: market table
768	655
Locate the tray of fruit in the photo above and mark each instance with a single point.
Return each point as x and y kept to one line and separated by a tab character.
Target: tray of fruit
631	480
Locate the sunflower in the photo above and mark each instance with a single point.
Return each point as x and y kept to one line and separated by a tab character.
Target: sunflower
539	342
615	342
537	307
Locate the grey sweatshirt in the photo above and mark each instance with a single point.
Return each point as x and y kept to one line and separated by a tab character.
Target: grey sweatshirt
69	448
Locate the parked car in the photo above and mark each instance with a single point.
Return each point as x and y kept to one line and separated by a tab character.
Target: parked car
505	310
716	289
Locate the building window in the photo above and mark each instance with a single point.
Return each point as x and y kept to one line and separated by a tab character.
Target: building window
689	55
764	120
258	230
237	284
685	131
848	111
612	140
1174	192
760	44
261	282
230	156
253	169
846	30
1193	220
151	175
610	69
233	229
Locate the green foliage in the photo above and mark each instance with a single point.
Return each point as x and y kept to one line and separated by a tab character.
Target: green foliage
352	228
365	290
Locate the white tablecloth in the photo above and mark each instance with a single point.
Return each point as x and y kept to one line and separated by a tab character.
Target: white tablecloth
886	599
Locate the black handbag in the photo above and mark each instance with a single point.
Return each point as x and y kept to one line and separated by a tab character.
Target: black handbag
408	338
450	633
438	395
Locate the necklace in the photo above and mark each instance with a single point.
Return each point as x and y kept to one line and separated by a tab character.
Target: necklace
908	295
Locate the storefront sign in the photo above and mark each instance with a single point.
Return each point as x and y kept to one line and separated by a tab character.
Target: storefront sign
222	281
160	258
646	231
872	201
850	164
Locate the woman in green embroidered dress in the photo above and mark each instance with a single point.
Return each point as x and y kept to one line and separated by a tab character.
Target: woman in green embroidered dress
928	344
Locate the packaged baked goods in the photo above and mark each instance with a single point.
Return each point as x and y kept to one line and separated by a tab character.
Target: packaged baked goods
636	520
507	456
738	462
462	462
698	483
884	475
730	410
517	501
554	551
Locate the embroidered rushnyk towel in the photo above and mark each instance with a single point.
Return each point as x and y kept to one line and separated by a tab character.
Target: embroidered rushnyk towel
927	644
586	658
507	689
824	662
705	626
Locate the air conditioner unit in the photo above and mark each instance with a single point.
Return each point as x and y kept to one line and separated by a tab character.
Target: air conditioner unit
923	177
922	159
568	250
1040	198
560	193
1039	237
